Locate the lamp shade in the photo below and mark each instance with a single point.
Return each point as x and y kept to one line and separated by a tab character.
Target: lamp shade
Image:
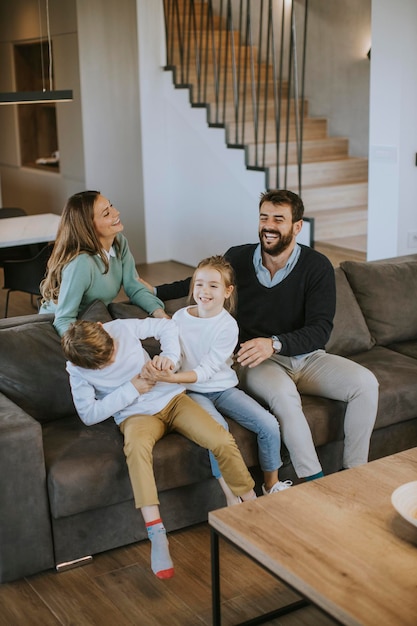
33	97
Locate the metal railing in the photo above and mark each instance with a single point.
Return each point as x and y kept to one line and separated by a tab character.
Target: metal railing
244	60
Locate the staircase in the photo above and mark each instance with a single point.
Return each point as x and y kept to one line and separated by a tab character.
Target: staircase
259	103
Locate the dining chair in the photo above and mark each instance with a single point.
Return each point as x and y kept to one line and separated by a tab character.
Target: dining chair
13	252
26	275
8	211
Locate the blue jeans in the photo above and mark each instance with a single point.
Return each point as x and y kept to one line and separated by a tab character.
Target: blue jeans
244	410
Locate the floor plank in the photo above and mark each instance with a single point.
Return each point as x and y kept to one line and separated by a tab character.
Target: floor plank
118	587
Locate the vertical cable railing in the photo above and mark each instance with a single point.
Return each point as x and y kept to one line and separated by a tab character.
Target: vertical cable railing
244	61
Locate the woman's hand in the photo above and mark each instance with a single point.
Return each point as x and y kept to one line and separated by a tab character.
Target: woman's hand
160	313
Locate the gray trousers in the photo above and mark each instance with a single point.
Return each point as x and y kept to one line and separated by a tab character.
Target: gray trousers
278	382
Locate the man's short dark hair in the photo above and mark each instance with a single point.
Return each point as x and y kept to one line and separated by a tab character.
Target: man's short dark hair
283	196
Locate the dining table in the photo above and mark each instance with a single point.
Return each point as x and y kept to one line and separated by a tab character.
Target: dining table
28	229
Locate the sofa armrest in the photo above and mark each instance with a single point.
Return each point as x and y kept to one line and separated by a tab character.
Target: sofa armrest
26	545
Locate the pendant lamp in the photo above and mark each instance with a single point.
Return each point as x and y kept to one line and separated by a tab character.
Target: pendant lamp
46	95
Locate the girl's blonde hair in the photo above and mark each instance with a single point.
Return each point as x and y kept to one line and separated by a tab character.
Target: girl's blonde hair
76	234
226	271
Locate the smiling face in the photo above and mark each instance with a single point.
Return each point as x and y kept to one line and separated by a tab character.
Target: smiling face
106	221
209	291
277	232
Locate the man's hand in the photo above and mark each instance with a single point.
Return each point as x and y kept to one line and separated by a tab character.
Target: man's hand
255	351
142	385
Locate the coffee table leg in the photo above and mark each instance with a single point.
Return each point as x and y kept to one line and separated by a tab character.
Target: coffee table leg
215	578
215	591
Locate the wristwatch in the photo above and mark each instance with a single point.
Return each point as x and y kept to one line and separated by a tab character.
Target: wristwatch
276	344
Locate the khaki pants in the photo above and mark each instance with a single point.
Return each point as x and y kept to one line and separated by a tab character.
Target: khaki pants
277	384
186	417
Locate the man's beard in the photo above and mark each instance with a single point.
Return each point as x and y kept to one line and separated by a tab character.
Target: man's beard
281	244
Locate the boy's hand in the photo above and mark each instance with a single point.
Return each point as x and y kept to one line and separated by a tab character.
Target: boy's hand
142	385
150	372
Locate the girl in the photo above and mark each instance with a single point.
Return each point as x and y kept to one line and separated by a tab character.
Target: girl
208	336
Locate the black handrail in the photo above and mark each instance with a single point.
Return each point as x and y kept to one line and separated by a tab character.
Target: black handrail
253	89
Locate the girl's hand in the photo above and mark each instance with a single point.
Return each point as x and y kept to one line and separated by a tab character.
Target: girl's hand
150	372
162	363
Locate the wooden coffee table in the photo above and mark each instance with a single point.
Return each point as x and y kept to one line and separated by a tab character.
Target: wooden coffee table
336	541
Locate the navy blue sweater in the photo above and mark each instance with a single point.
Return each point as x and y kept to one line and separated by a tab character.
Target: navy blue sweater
300	309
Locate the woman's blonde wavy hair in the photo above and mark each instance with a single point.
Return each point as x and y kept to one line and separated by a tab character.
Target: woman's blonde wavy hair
76	235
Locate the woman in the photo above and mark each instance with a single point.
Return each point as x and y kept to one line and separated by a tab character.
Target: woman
91	260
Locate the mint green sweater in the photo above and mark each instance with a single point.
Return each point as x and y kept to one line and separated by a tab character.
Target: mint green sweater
83	281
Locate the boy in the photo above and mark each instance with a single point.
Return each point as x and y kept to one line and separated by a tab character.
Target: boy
104	364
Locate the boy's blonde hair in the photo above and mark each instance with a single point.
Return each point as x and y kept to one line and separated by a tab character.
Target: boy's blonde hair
86	344
226	271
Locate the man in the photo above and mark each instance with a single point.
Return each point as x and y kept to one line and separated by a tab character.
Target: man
286	304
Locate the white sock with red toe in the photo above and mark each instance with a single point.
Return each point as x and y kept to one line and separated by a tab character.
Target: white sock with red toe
161	562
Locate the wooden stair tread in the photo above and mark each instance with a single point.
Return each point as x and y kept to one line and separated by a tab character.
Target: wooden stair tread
325	173
314	128
313	150
351	213
356	242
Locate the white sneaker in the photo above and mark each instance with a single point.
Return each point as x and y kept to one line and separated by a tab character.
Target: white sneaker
279	486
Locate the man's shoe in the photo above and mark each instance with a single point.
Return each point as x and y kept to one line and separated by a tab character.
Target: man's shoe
279	486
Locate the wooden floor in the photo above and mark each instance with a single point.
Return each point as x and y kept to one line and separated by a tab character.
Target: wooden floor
119	588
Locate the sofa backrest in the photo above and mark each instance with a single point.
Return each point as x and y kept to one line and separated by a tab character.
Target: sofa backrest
32	364
386	294
350	333
32	370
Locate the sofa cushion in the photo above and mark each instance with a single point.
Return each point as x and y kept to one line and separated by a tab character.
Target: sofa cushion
87	469
32	370
385	292
96	312
123	310
397	376
408	348
350	333
126	309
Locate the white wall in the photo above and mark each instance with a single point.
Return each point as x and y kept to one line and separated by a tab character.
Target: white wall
337	68
199	197
392	208
110	110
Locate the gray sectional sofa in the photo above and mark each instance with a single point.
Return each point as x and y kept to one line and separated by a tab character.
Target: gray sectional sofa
64	487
